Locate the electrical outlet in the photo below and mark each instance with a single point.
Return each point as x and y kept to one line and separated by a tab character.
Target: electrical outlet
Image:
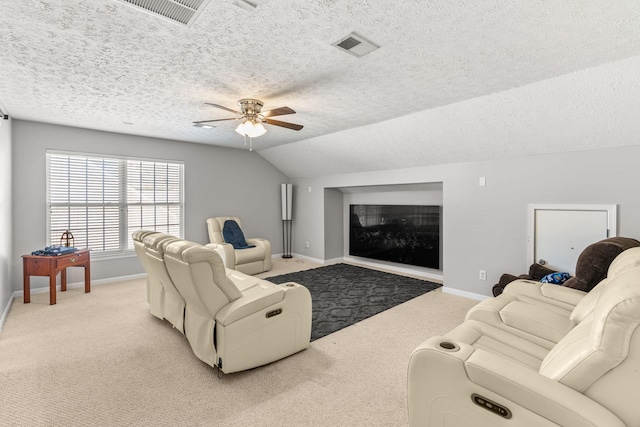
482	274
306	245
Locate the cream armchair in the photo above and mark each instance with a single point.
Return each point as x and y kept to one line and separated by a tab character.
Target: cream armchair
480	375
251	260
236	328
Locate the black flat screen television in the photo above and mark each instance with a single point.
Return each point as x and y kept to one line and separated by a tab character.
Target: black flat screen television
406	234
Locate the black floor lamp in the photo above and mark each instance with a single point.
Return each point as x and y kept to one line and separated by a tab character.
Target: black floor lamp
287	194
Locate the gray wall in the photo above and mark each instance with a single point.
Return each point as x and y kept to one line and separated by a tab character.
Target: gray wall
218	181
486	227
5	215
333	224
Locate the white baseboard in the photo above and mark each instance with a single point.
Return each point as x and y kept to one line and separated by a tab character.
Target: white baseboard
470	295
392	268
5	312
75	285
397	269
308	258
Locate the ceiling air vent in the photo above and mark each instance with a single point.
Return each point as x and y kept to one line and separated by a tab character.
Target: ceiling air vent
183	12
355	44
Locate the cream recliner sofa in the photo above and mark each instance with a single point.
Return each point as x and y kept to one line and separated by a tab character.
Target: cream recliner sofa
543	313
164	300
169	298
250	260
483	374
235	321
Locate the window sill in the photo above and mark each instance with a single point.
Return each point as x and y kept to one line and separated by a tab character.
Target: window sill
108	257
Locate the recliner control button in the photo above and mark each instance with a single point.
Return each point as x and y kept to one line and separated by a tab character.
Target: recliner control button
490	405
274	313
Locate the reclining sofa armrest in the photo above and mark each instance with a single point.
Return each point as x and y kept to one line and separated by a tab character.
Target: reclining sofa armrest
442	367
252	301
545	324
542	395
558	295
562	293
225	250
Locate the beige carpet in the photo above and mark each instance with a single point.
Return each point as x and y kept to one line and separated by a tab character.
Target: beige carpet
101	359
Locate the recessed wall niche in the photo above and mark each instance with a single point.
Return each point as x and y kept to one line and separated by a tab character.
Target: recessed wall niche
338	200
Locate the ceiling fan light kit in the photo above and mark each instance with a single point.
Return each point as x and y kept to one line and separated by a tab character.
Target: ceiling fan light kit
250	128
252	118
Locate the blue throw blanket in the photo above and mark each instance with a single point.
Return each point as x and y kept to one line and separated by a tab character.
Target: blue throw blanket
233	234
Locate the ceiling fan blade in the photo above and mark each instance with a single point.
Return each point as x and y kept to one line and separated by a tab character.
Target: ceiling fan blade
283	124
216	120
278	112
223	108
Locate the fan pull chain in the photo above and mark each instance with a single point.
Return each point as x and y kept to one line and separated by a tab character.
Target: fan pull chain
250	142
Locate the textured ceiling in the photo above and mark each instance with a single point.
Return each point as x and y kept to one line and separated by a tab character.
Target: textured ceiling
100	63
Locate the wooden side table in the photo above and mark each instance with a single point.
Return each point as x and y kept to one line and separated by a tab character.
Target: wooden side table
39	265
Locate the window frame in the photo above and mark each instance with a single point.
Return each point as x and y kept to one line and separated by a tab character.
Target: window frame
125	249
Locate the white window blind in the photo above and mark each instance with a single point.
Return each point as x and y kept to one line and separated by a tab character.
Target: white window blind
103	200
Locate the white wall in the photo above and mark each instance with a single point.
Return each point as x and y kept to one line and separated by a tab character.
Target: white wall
6	288
486	227
218	181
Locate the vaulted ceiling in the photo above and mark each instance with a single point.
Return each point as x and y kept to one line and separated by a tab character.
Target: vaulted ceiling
105	65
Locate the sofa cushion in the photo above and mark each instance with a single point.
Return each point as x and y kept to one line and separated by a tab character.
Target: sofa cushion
234	235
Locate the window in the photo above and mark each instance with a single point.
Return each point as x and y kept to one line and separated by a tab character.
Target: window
103	200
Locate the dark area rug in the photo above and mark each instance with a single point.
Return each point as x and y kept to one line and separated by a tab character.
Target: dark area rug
344	294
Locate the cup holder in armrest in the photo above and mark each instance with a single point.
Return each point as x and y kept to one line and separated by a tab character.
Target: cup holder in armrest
448	346
290	285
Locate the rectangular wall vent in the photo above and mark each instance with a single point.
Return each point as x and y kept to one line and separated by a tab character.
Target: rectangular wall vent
356	45
183	12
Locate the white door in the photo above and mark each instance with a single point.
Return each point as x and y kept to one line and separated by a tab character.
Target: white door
560	233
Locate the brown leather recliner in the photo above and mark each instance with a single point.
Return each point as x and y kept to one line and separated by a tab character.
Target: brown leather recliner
591	266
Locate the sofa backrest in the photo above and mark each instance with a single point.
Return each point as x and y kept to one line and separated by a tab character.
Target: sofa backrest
600	357
626	260
138	244
215	226
155	245
199	275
